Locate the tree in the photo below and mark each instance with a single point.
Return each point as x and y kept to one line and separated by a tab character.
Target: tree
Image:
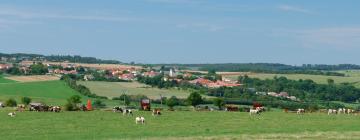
11	102
194	99
38	69
172	101
219	102
72	103
330	81
26	100
125	99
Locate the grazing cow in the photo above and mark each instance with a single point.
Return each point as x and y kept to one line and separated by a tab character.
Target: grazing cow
332	111
300	111
12	114
156	112
55	109
83	108
140	120
20	108
254	111
128	112
117	109
2	105
341	110
350	111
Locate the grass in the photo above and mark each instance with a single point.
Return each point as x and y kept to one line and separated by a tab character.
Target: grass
4	80
177	125
51	92
114	89
321	79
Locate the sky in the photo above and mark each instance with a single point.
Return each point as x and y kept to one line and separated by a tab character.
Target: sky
186	31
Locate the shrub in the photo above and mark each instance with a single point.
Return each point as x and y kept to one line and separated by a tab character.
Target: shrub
11	102
194	99
72	103
219	102
172	101
99	104
26	100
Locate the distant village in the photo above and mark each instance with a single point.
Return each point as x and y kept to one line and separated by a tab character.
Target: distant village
130	73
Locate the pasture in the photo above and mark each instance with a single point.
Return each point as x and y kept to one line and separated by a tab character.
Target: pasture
114	89
50	92
177	125
33	78
5	80
321	79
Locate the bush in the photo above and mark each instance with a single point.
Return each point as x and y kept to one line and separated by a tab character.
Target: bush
219	102
11	103
99	104
194	99
172	101
26	100
72	103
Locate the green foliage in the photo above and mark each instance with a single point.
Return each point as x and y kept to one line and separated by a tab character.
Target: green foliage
11	102
83	90
98	104
38	69
26	100
172	101
73	103
124	99
194	99
219	102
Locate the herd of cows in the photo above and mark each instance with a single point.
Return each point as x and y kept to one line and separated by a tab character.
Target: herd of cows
38	107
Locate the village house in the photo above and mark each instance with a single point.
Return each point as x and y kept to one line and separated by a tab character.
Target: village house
150	74
127	76
5	66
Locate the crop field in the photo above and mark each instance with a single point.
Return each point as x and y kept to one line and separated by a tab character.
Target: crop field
176	125
115	89
33	78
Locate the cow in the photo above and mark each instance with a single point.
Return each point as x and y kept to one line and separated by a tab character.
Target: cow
2	105
140	120
127	112
255	111
332	111
300	111
55	108
156	112
12	114
350	111
117	109
20	108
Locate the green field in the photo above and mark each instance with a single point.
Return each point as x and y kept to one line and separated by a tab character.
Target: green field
4	80
115	89
50	92
352	77
176	125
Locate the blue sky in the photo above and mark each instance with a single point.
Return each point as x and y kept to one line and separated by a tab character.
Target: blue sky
186	31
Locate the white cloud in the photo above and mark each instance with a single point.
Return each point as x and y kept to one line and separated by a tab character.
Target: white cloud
289	8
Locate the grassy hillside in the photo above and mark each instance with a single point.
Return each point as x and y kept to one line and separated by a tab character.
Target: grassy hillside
4	80
114	89
177	125
51	92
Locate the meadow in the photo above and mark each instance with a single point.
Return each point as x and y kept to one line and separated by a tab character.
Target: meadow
115	89
49	92
351	77
5	80
177	125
